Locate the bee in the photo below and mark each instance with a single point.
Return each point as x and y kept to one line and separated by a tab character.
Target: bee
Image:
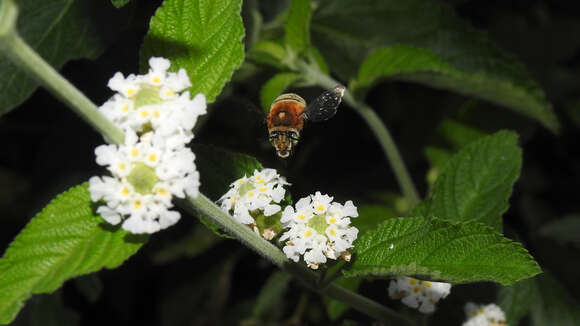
288	113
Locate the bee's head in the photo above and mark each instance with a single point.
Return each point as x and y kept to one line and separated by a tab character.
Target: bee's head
284	141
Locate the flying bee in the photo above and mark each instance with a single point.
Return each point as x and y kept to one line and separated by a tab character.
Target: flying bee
288	113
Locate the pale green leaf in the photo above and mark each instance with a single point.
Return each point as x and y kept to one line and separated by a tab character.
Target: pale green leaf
66	239
458	134
59	31
275	86
424	42
272	294
476	183
516	300
202	36
297	26
440	250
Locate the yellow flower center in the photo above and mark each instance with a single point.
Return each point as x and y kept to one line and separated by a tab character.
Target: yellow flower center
152	157
125	192
308	233
332	220
125	108
134	152
130	91
319	208
301	216
121	166
161	191
333	232
412	281
156	79
137	204
427	284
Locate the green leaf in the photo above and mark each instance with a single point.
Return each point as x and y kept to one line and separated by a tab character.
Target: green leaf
440	250
275	86
272	294
369	217
335	309
119	3
476	183
458	134
202	36
66	239
269	53
516	300
554	305
297	26
564	230
198	241
441	51
59	31
218	169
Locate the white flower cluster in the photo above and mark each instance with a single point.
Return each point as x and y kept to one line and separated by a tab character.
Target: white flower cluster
318	229
484	315
418	294
259	194
153	164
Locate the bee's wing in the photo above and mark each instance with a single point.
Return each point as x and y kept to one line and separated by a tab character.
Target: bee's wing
324	107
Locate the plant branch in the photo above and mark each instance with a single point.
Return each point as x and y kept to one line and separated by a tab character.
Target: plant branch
22	55
14	47
378	128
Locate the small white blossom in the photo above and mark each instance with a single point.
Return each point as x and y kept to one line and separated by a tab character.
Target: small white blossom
318	229
259	194
484	315
153	101
146	174
418	294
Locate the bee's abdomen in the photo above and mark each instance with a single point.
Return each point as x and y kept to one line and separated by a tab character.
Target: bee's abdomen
286	113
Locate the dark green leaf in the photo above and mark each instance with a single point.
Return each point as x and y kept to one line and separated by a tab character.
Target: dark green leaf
298	25
370	216
554	305
275	86
424	42
437	249
202	36
219	168
196	242
564	231
516	300
477	182
269	53
335	309
66	239
59	31
120	3
272	294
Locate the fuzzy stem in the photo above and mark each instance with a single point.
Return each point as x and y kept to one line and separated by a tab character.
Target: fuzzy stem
12	45
378	128
23	56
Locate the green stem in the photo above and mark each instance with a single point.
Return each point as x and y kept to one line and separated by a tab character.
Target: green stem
207	208
22	55
12	45
378	128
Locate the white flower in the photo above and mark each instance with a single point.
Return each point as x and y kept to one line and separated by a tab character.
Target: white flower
146	174
318	229
250	197
153	101
484	315
418	294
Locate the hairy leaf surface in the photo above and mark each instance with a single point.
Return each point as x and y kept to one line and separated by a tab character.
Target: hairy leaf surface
440	250
66	239
202	36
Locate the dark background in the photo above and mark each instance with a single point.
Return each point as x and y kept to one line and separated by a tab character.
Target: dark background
46	149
